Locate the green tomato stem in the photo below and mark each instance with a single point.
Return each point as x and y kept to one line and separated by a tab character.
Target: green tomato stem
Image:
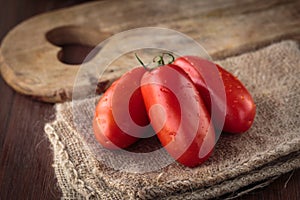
160	60
141	62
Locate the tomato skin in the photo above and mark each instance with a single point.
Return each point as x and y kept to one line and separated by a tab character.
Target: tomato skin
106	129
178	115
240	108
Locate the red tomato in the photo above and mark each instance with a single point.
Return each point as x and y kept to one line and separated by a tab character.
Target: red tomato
120	112
178	115
238	105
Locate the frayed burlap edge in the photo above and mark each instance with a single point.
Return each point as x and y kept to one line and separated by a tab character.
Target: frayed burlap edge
69	179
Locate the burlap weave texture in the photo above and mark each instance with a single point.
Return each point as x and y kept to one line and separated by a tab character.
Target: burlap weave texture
269	149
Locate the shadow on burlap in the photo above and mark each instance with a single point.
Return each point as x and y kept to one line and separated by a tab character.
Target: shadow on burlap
239	163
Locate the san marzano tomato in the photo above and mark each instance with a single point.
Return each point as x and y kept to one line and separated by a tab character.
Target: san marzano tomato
178	115
120	112
237	107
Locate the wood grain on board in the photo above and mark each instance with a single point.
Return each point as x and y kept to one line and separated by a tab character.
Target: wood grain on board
32	51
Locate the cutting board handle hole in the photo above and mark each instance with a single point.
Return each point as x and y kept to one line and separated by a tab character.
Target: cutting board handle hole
76	42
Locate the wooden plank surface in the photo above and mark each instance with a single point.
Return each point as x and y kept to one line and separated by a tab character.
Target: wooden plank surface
224	28
25	153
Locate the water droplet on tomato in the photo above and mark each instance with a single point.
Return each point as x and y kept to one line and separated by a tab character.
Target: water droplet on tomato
164	89
172	135
235	101
238	87
242	97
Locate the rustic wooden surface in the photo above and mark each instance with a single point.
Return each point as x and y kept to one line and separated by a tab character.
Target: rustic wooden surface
25	153
30	51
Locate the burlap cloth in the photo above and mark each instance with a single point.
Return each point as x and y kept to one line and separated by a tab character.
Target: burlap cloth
239	162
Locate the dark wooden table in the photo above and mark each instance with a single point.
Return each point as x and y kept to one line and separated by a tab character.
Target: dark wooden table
25	152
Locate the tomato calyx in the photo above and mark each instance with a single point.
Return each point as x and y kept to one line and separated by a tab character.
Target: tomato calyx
159	60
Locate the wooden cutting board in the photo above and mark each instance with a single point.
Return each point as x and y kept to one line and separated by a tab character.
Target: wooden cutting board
41	56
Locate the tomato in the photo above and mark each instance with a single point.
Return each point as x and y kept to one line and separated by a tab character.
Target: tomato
120	112
238	105
178	115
